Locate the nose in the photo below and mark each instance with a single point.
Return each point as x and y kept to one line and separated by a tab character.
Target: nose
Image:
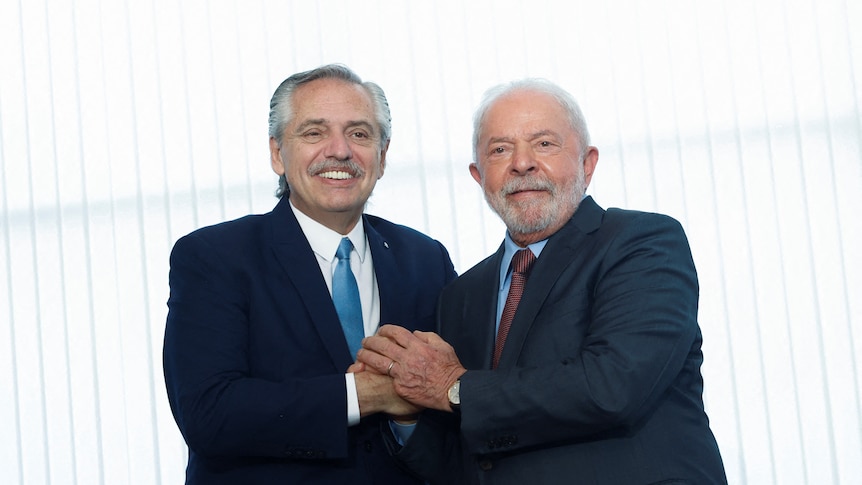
523	159
338	147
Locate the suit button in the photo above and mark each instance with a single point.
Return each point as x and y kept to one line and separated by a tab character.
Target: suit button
367	446
486	465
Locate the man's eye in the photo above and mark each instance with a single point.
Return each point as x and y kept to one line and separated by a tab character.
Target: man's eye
498	150
360	134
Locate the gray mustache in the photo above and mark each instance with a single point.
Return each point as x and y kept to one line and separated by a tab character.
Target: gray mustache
531	183
333	164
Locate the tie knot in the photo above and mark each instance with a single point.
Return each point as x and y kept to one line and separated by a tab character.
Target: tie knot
523	261
344	248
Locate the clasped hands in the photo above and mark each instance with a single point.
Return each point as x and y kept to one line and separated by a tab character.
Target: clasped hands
421	365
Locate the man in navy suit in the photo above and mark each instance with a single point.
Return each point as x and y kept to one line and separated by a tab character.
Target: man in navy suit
594	374
259	370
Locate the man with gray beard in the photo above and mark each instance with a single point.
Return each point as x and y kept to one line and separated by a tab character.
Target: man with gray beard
570	356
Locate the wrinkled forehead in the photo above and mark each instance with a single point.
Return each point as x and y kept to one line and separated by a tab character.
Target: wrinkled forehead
524	115
333	101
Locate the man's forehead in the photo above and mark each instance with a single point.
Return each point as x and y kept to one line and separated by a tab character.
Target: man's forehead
331	103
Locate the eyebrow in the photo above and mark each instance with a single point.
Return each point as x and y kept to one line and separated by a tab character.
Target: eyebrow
323	121
542	133
499	139
532	136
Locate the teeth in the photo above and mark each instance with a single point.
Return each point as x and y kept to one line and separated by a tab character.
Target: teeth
338	175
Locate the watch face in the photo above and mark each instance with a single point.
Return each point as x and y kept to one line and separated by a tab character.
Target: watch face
455	393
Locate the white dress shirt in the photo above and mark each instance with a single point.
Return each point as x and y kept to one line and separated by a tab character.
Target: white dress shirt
324	242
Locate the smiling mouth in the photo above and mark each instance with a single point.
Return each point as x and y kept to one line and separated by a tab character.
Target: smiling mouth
524	191
336	175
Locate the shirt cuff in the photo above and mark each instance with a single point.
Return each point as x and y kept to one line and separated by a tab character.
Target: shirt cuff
352	400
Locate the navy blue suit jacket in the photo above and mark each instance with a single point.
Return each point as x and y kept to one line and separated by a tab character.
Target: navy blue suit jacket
599	380
254	355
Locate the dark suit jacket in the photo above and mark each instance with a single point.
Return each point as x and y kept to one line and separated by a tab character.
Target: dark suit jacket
254	355
599	381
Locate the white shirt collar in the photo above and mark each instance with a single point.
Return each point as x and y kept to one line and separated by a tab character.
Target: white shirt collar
324	241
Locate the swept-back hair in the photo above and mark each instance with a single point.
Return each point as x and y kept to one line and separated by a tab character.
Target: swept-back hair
281	105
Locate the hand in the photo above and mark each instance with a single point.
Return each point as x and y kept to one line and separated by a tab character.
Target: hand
424	368
376	394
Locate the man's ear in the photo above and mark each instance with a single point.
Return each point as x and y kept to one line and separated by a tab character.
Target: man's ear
590	161
383	160
476	173
275	156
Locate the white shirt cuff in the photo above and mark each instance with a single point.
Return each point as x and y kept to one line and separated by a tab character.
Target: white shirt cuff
352	400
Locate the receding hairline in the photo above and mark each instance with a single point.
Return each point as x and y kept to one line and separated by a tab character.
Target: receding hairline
559	96
532	135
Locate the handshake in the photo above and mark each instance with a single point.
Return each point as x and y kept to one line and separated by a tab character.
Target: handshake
399	372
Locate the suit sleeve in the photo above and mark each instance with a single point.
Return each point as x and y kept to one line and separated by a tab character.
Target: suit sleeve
219	407
638	315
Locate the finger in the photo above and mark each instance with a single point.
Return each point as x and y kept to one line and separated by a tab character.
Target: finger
384	346
356	367
432	339
426	337
397	334
378	362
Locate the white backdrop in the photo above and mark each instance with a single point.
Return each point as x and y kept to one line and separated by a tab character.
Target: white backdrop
126	124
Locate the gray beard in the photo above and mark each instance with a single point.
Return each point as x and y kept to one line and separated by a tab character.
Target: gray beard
537	216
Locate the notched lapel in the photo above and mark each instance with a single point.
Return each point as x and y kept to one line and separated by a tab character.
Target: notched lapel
557	256
386	272
474	341
296	258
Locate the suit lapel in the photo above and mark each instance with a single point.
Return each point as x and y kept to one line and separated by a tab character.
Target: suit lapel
386	272
556	257
474	340
295	256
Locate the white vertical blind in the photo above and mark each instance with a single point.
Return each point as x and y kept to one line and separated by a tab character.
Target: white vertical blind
126	124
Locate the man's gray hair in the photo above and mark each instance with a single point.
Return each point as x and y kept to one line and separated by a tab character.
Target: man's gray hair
567	102
281	105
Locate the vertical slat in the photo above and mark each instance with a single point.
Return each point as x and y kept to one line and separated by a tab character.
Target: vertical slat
86	363
837	89
55	343
787	464
743	252
36	455
11	446
739	458
818	400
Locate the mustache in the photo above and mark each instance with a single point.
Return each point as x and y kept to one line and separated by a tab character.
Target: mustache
331	164
527	183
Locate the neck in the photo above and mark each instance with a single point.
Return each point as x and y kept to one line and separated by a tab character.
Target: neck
341	222
341	225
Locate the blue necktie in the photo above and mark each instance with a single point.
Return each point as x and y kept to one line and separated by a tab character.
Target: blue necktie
345	295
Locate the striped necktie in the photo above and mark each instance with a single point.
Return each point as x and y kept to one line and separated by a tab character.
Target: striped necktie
522	262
